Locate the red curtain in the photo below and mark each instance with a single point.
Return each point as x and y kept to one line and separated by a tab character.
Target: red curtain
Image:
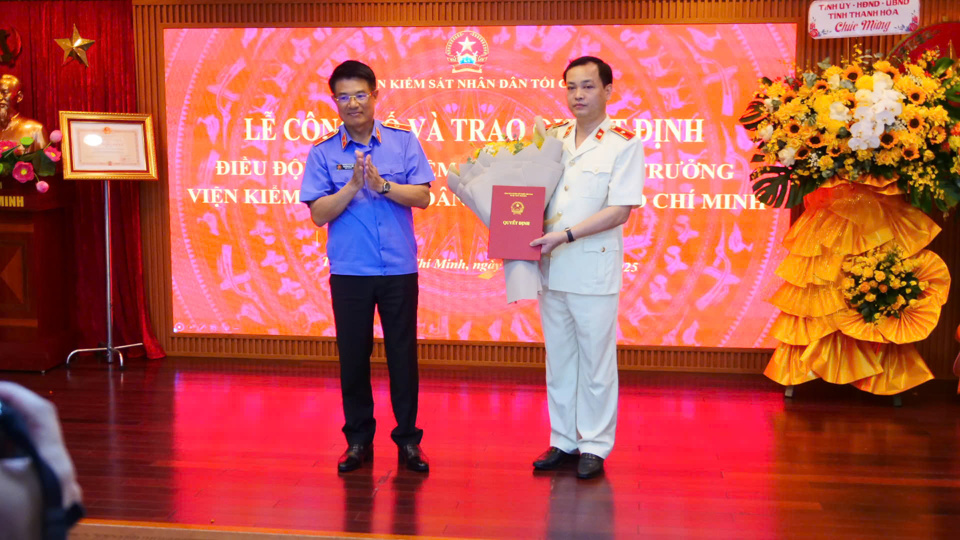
107	85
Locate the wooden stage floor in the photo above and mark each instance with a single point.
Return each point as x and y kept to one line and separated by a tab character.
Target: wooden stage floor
253	445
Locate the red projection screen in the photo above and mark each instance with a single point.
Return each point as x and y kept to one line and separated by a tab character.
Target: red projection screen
244	104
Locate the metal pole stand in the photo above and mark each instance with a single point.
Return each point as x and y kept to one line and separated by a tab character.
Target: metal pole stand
110	349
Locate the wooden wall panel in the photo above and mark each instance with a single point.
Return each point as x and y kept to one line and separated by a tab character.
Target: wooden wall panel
150	16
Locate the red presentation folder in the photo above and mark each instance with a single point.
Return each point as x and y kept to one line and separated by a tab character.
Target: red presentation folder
516	219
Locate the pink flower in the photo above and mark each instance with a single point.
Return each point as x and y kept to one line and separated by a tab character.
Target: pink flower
23	171
56	136
52	153
42	186
7	145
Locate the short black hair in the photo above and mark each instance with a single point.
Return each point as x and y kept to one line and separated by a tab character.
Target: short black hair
606	74
352	69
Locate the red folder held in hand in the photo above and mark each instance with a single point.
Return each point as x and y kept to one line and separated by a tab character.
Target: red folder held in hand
516	219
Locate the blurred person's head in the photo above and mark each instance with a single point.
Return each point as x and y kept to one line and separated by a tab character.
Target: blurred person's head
39	494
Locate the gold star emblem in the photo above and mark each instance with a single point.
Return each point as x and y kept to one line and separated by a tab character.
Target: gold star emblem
75	47
466	45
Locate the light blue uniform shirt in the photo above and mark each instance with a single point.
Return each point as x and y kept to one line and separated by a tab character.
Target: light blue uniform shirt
374	235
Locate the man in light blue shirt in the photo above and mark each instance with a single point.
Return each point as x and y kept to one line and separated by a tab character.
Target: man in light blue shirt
362	181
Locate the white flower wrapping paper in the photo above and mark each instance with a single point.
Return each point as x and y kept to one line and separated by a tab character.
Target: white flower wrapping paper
473	184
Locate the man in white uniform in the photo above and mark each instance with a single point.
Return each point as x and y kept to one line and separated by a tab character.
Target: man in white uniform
582	261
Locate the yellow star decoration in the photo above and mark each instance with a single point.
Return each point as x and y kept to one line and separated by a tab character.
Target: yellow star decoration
75	47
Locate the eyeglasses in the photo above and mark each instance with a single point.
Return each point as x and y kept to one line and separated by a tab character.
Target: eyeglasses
344	99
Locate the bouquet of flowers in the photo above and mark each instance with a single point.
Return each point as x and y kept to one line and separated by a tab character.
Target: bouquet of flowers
881	283
510	163
25	166
868	118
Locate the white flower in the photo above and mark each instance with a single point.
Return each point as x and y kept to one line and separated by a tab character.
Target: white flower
864	97
857	143
865	134
839	112
884	117
881	82
766	133
768	104
834	81
864	112
786	156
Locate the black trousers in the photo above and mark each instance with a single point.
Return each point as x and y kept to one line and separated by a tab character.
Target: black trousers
395	299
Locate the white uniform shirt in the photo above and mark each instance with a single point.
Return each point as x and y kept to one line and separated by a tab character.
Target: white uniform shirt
606	170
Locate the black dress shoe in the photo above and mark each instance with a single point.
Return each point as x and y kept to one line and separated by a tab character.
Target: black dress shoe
356	455
413	457
552	458
589	466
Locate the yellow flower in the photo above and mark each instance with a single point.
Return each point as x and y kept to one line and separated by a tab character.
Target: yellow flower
870	297
888	157
916	95
937	116
853	72
885	67
883	288
888	139
826	162
831	71
879	276
865	83
864	287
915	70
937	134
912	116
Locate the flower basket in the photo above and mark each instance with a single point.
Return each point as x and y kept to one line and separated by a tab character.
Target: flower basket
869	149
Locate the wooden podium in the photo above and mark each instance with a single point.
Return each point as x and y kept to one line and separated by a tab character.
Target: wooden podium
36	280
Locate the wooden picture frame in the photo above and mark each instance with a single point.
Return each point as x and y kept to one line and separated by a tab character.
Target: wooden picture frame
108	146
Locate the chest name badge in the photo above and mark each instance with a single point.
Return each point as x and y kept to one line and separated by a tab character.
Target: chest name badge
345	166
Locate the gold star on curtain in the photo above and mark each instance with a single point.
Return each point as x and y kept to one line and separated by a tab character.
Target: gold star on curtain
75	47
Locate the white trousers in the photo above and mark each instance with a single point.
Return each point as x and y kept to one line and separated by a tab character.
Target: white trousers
580	332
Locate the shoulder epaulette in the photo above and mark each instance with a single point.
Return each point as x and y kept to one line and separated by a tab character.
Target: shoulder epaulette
623	132
393	124
326	137
551	125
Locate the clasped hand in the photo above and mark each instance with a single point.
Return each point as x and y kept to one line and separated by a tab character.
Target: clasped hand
365	172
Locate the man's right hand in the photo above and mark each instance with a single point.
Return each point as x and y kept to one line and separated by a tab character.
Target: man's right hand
356	181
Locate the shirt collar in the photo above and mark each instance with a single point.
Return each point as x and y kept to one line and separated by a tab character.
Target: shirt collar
592	140
346	139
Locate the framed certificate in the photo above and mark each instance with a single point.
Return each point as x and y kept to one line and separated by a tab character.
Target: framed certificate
108	146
